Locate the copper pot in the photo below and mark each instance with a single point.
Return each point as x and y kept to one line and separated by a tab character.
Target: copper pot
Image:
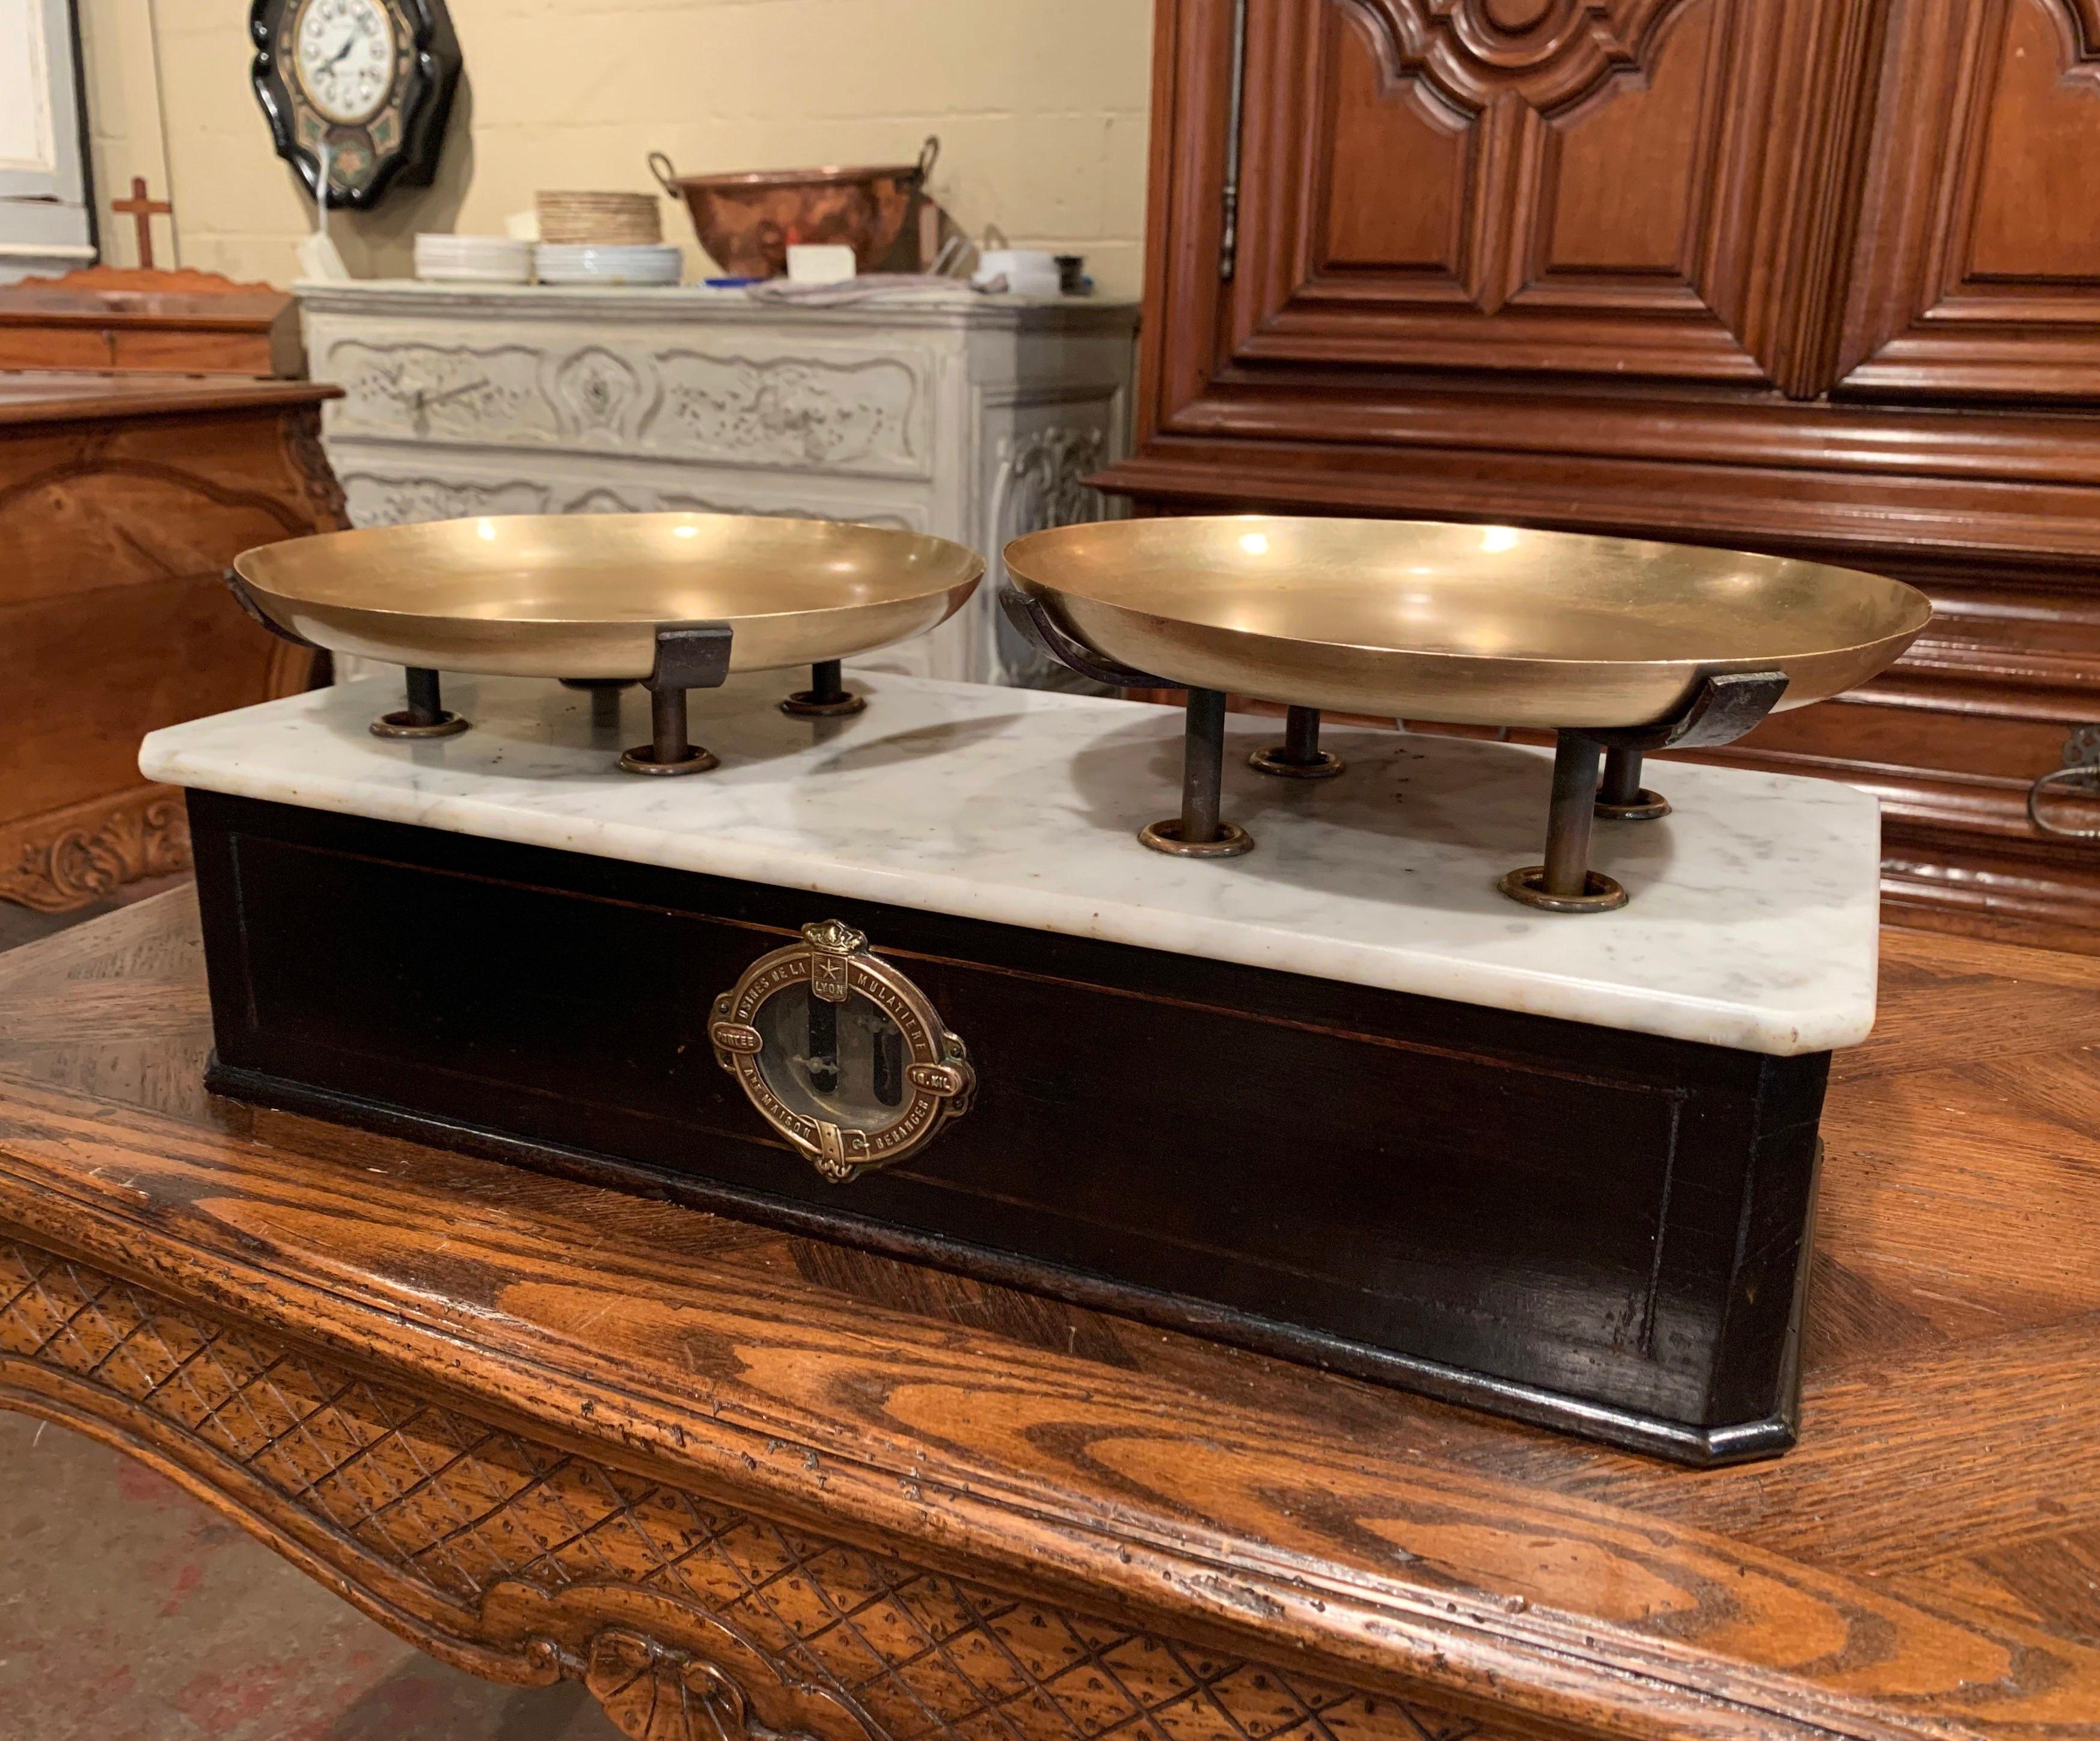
747	221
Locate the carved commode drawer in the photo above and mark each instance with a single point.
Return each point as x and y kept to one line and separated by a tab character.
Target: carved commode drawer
756	400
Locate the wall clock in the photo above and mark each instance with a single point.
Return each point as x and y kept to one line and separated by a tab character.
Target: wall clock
372	81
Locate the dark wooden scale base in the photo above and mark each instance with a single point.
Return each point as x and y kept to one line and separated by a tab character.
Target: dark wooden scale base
1594	1230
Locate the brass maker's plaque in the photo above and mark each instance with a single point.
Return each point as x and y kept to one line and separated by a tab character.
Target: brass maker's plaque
840	1053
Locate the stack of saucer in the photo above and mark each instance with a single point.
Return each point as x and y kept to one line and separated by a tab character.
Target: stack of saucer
620	220
472	259
568	264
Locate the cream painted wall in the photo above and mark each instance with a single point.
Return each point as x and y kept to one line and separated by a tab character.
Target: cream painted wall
121	71
1040	105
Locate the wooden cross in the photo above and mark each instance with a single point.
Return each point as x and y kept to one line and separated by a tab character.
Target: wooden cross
142	211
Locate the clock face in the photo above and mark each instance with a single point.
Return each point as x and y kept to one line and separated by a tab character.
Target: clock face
344	54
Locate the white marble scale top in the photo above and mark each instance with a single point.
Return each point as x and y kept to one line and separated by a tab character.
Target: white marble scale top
1752	924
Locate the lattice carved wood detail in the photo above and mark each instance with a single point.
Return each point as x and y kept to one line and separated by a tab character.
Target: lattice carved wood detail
690	1619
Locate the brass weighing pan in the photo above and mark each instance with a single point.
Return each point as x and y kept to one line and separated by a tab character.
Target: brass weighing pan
1620	645
673	601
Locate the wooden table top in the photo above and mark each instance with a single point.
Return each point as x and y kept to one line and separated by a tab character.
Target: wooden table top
40	396
1927	1563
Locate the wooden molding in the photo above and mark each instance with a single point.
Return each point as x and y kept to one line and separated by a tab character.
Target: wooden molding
1552	54
1864	516
156	281
309	464
74	857
1942	879
40	398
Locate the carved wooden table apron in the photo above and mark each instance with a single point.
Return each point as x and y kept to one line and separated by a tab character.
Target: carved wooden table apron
744	1484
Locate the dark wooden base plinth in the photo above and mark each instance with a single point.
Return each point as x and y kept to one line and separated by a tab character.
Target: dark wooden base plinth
1601	1232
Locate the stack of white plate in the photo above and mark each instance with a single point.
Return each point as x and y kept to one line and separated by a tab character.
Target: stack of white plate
472	259
593	263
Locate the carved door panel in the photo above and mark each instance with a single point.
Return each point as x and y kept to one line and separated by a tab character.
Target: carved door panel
1623	188
1980	264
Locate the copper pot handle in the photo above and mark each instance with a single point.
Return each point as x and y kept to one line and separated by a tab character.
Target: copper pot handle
667	175
929	154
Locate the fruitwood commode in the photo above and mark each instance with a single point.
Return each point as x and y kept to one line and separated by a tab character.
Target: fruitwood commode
746	1484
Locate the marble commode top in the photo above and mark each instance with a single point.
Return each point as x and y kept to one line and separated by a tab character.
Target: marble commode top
1752	925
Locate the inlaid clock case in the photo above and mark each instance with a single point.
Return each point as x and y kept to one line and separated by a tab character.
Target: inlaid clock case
398	142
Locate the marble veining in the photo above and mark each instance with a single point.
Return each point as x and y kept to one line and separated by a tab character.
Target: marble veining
1753	923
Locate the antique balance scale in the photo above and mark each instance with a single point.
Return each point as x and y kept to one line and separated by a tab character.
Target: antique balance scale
1334	1072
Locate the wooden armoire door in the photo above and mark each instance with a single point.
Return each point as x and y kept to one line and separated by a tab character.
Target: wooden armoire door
1977	263
1632	190
1813	277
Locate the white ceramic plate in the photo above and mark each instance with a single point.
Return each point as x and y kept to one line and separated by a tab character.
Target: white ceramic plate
587	263
557	276
471	246
571	253
431	272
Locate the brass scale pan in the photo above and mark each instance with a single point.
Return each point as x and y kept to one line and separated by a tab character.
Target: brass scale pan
1620	645
673	601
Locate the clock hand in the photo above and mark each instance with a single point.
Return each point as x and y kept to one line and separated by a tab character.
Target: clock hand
349	43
